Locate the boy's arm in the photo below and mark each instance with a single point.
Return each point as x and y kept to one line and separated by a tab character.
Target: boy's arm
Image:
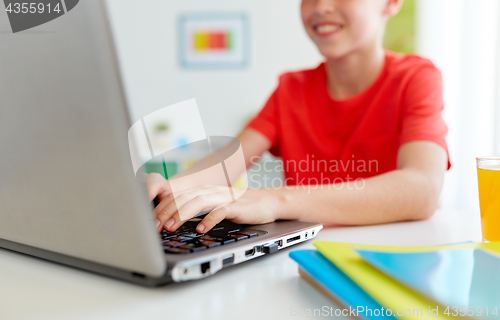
254	144
409	193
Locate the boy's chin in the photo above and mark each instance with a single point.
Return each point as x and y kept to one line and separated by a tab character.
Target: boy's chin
334	53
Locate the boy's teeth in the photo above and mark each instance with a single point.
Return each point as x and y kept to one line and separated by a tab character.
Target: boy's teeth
326	28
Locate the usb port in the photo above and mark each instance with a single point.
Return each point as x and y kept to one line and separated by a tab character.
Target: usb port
228	260
293	239
280	243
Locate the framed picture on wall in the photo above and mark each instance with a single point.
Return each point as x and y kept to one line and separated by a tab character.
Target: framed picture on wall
213	40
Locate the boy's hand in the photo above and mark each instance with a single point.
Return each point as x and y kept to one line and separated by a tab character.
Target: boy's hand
255	206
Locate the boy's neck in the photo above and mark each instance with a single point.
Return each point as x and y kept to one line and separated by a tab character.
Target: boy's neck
350	75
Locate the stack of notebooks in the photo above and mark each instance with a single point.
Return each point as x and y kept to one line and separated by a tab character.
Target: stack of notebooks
367	281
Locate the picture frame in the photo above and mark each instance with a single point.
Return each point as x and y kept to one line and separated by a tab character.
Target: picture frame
213	41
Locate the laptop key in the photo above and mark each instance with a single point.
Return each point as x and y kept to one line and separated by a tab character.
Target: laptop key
239	237
209	243
230	226
221	239
176	250
167	236
173	244
194	246
182	231
193	235
224	234
181	238
207	237
248	233
186	227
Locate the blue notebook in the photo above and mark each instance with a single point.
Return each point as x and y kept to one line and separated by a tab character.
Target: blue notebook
454	278
335	282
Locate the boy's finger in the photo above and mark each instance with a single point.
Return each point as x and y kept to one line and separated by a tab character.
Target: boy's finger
181	210
164	201
213	218
170	206
153	190
202	203
174	202
173	223
157	185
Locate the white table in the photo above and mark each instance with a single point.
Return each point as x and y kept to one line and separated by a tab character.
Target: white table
266	288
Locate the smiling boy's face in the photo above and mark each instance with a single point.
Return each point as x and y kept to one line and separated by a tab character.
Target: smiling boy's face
339	27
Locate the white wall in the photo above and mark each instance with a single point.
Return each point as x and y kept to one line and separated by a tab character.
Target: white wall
461	37
146	36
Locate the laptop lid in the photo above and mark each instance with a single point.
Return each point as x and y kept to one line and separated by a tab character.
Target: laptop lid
66	179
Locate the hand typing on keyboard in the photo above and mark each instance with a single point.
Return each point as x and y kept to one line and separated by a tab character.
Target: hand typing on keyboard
255	206
186	240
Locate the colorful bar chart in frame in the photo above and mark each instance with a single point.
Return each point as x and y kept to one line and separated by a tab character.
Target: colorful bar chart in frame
216	40
212	40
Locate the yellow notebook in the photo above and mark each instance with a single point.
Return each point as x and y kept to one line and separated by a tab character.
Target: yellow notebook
404	302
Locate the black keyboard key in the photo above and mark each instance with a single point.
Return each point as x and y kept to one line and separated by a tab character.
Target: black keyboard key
194	246
224	239
223	235
188	225
181	238
176	250
173	244
210	243
227	240
207	237
248	233
238	237
217	233
166	236
182	231
193	235
229	226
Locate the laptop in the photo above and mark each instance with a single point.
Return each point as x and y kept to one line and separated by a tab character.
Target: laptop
68	193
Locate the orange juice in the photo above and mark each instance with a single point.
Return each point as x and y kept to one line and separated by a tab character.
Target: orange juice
489	202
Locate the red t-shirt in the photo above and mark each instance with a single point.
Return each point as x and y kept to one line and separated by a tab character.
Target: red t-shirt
322	140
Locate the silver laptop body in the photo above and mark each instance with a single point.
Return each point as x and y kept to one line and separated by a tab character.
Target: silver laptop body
68	193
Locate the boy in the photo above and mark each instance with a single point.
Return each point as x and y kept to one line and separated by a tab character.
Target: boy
366	121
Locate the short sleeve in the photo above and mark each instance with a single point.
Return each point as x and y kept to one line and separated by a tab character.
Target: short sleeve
423	105
266	121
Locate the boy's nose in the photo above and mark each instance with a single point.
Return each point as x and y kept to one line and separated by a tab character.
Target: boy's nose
325	6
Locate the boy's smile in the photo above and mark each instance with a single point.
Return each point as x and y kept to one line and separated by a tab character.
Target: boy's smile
327	29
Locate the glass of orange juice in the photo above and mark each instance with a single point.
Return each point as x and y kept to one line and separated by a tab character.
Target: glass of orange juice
488	176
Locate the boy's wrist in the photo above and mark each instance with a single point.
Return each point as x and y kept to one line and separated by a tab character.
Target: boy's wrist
288	203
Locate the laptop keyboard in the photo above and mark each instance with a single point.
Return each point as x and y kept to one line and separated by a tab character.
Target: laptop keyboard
187	240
